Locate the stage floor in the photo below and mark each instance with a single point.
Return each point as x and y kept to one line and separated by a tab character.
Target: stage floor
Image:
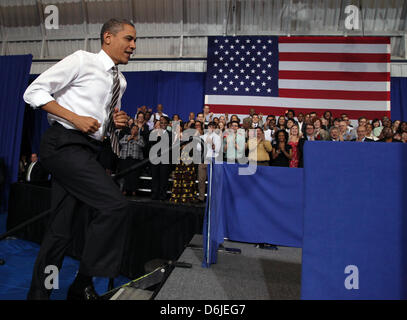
255	274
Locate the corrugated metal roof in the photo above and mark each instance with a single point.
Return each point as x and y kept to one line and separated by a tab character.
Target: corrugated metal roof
172	28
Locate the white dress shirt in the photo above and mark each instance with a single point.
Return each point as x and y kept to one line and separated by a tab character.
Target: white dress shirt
82	83
215	140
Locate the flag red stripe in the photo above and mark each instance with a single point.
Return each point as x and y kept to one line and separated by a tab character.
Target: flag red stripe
334	94
240	109
334	75
335	57
327	40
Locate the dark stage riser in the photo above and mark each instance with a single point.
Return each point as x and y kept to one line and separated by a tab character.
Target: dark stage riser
156	230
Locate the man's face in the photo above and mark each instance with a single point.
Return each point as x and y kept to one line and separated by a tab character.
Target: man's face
387	133
309	130
334	133
255	118
163	123
191	116
234	126
362	122
120	46
300	117
159	108
200	117
361	131
252	111
34	157
343	126
206	109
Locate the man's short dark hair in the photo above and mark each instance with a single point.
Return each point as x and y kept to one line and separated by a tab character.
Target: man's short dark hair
113	26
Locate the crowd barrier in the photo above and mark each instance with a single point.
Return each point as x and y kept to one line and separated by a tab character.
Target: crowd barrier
346	209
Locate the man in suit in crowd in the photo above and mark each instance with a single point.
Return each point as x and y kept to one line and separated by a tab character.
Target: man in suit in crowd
361	135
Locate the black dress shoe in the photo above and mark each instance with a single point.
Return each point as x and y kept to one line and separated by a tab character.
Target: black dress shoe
87	293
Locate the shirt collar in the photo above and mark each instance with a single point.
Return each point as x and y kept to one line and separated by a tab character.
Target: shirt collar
106	60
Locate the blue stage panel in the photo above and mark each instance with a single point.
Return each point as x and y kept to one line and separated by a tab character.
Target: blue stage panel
355	217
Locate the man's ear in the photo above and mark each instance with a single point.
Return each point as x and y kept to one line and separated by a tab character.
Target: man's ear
107	37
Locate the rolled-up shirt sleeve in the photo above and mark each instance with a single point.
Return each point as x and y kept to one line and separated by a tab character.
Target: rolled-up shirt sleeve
56	78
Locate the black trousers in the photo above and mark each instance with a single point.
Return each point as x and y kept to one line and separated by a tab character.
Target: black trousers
159	183
71	158
131	182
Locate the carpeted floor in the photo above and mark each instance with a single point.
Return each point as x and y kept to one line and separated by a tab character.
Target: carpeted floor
15	274
255	274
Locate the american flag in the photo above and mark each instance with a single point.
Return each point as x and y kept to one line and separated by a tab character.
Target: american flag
272	74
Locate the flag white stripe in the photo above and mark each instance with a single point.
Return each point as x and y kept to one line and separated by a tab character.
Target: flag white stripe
334	85
299	103
334	48
333	66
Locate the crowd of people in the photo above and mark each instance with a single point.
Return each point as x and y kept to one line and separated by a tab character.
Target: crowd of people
274	141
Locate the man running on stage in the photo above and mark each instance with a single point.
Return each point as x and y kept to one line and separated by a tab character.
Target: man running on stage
87	90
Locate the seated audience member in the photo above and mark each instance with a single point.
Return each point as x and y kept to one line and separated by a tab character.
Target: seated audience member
234	143
362	121
222	119
293	141
404	137
337	121
290	114
149	120
319	132
207	115
403	127
35	171
282	151
387	135
259	148
234	117
256	121
397	136
369	132
221	128
361	135
22	167
281	123
201	118
288	124
131	152
212	146
270	122
344	131
247	123
159	113
347	120
301	122
270	129
309	132
160	171
329	119
377	127
334	134
395	126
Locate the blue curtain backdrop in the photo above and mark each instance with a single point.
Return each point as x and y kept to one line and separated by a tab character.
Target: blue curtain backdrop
178	92
14	77
399	99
